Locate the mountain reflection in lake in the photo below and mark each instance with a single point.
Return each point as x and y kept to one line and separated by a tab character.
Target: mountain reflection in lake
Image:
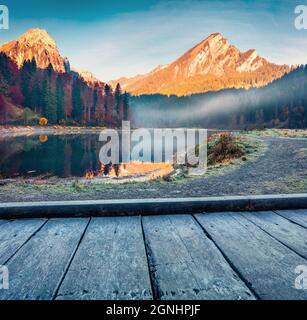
65	156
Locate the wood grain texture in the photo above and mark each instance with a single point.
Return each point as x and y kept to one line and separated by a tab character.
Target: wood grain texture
265	263
110	263
219	257
187	265
297	216
290	234
37	268
13	234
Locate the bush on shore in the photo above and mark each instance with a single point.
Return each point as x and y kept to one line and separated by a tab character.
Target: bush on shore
224	147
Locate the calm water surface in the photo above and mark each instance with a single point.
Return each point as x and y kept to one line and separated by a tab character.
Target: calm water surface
63	156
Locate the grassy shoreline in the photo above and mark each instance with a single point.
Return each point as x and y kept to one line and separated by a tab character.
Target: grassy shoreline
250	142
272	165
253	148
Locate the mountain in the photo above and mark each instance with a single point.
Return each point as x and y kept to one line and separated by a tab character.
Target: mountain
29	89
212	65
38	45
87	76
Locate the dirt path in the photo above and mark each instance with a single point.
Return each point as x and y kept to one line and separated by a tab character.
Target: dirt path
282	169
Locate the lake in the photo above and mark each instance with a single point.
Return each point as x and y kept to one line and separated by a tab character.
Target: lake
67	155
76	154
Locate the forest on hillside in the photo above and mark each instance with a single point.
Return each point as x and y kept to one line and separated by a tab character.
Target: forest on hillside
62	98
29	93
281	104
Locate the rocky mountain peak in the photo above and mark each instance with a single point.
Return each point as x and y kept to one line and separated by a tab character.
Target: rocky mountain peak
37	36
213	64
35	44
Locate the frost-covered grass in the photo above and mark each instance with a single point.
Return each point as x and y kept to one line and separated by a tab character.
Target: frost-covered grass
286	133
225	152
229	154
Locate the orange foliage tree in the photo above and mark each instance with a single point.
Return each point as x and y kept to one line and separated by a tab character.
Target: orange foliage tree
43	121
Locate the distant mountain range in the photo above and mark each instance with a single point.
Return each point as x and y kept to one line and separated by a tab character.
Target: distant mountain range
212	65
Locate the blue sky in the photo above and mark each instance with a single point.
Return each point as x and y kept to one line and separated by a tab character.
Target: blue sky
123	38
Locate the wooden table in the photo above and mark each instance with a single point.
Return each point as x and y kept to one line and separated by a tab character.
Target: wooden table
227	255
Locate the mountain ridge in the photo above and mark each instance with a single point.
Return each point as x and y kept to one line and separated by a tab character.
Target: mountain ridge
211	65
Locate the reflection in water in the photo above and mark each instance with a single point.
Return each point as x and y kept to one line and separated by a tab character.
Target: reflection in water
133	168
65	156
43	138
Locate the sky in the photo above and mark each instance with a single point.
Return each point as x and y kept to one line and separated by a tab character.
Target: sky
118	38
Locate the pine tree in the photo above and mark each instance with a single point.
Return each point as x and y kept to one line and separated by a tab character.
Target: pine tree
107	92
52	110
49	100
35	96
119	104
118	99
95	99
126	106
77	101
60	94
52	96
27	72
44	97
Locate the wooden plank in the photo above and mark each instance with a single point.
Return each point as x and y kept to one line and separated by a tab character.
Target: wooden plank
265	263
13	234
290	234
186	264
110	263
36	270
297	216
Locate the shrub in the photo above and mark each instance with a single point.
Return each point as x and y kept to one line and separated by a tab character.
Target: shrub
43	138
43	121
223	147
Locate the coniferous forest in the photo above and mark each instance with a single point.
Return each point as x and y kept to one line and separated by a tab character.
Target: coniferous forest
28	93
281	104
